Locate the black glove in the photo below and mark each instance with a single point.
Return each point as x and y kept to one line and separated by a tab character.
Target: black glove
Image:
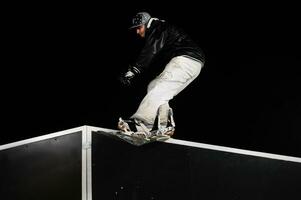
126	78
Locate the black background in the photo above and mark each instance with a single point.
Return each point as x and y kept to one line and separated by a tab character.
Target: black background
62	62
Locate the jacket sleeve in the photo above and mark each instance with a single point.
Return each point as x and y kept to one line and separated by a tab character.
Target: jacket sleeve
153	44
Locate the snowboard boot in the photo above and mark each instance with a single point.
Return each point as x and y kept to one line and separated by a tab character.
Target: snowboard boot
134	128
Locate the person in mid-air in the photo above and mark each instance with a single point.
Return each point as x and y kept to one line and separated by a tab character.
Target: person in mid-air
185	61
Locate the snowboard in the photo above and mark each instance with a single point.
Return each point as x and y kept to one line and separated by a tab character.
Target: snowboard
134	139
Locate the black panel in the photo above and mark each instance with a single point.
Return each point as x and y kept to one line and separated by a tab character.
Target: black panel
153	171
44	170
167	171
222	175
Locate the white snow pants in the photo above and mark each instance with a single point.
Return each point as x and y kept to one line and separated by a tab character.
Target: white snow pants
176	76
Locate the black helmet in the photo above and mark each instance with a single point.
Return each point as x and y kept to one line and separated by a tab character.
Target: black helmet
139	19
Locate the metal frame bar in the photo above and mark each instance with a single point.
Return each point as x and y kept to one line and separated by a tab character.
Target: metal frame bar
84	164
234	150
39	138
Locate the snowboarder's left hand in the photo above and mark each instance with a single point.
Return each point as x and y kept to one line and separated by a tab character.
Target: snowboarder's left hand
126	78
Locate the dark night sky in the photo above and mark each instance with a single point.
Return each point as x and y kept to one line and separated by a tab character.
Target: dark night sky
64	61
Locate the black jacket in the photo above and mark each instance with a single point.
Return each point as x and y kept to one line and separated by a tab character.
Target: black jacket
166	41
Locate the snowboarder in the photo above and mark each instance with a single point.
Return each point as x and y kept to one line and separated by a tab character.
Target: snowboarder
185	61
